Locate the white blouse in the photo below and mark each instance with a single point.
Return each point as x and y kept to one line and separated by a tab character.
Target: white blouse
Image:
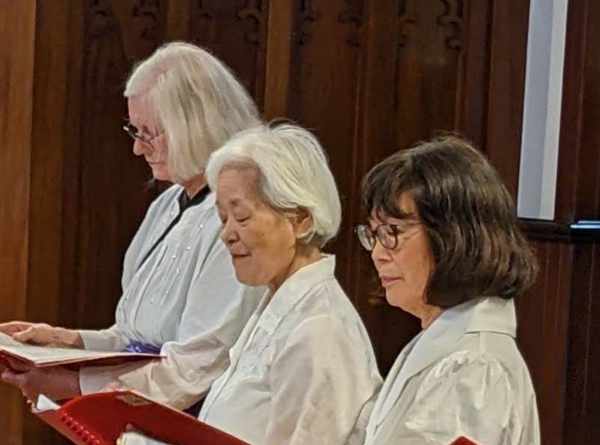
303	370
183	296
461	376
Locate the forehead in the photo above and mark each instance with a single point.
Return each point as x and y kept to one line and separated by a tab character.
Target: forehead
140	110
236	185
405	205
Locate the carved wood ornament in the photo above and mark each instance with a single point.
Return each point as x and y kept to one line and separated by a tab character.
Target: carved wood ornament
353	16
407	18
452	19
308	15
255	12
148	11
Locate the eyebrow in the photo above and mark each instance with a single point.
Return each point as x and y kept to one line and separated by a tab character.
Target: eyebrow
235	202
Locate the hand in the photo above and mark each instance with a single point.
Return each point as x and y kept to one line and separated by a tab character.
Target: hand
131	436
57	383
112	387
42	334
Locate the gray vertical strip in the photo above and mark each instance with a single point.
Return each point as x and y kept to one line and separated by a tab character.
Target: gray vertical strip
542	109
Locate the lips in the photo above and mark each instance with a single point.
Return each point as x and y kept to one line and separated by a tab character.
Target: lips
389	281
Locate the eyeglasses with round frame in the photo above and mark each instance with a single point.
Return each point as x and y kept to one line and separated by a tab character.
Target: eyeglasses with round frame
387	234
135	134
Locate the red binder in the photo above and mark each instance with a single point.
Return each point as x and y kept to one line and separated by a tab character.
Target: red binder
463	441
101	418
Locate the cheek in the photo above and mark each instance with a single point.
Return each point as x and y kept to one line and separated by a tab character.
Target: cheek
415	269
161	172
271	253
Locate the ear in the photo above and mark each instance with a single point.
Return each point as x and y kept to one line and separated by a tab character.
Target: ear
302	222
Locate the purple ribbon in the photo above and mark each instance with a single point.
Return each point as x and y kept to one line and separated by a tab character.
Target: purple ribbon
145	348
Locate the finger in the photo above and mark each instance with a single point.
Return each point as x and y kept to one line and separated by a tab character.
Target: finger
40	334
17	365
13	327
14	378
30	397
111	387
26	335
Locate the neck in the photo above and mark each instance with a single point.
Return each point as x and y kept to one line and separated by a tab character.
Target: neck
305	255
429	314
194	185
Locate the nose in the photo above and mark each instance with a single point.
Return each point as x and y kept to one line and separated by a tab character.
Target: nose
139	148
379	254
228	234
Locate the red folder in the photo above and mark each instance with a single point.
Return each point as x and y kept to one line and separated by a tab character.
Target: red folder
101	418
463	441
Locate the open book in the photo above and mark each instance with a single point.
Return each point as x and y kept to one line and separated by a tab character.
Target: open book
101	418
41	356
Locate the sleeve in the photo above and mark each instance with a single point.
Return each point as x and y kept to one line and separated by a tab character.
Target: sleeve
110	339
320	383
217	308
461	396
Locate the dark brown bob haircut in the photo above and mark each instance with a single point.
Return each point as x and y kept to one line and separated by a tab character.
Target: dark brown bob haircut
468	216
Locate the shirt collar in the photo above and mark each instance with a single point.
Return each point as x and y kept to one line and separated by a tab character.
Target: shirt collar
292	290
485	314
186	202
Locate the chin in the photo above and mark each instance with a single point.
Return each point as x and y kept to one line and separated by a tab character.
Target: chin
396	300
160	174
161	177
248	279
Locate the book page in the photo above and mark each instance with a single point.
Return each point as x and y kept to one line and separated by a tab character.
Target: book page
51	356
44	404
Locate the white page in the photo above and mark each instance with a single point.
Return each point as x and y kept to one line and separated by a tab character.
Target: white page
46	355
44	404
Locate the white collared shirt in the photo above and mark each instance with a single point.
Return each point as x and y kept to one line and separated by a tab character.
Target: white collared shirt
183	296
464	375
303	370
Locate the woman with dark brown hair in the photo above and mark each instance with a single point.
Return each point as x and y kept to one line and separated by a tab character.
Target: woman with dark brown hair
444	239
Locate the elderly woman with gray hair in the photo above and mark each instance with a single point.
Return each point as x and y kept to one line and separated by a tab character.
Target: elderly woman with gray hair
180	295
303	370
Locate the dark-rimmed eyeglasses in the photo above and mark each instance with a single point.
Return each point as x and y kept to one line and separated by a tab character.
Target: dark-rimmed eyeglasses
388	235
135	134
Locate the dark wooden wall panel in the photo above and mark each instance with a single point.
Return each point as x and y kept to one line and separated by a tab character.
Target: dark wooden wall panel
508	47
543	318
324	82
17	32
428	54
582	409
579	180
236	32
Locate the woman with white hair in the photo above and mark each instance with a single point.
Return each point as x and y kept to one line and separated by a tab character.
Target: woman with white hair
303	370
180	295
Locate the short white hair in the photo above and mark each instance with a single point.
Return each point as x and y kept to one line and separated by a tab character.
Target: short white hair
293	173
198	101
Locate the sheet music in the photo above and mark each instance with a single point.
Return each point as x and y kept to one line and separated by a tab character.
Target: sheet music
48	356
